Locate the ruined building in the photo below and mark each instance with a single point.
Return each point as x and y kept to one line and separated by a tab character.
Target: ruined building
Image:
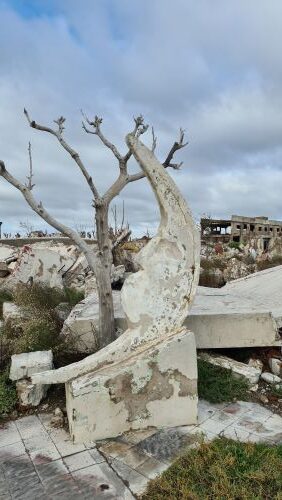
241	229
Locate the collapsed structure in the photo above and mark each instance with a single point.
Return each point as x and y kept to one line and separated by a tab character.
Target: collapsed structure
241	229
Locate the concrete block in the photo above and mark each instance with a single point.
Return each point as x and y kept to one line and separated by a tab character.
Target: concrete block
276	366
252	374
11	312
30	394
270	378
25	364
4	270
83	322
155	388
233	329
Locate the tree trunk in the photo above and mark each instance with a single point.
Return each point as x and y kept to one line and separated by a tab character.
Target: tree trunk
103	277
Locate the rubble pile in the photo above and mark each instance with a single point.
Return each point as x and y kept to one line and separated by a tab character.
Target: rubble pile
54	264
223	262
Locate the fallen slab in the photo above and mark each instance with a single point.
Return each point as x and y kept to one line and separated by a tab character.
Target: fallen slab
43	264
82	324
244	313
248	372
22	367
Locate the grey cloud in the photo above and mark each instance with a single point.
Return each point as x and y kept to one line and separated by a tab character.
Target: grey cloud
216	70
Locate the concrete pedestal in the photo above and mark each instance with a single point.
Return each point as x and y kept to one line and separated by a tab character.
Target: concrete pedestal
154	388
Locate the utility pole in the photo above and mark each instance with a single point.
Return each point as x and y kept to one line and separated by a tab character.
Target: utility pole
0	231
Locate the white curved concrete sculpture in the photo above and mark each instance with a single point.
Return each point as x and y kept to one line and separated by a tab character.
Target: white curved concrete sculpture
156	300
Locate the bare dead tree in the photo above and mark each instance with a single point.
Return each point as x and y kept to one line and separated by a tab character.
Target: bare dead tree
100	260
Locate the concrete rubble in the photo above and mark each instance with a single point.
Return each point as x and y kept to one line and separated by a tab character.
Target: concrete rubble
22	367
107	392
276	366
270	378
55	264
12	316
251	373
43	263
82	324
244	313
4	270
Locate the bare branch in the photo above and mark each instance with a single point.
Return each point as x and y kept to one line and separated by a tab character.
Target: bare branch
154	143
97	131
60	122
123	236
138	130
176	146
123	213
29	184
75	156
42	212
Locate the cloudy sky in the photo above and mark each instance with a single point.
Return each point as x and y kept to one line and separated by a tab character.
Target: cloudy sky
214	68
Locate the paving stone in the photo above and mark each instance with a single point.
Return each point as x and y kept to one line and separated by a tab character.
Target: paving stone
152	468
48	471
114	448
134	437
12	450
104	482
9	434
45	455
201	435
256	438
249	423
41	448
96	455
166	444
30	426
236	410
133	457
25	485
136	482
63	443
205	411
55	478
19	466
217	423
236	434
79	461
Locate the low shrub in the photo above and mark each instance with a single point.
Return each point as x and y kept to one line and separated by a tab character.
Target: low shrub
222	469
212	264
209	279
274	261
38	333
5	296
73	296
249	260
277	391
234	244
8	394
217	385
39	328
130	246
38	296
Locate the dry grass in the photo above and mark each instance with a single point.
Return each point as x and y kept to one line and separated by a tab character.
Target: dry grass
222	470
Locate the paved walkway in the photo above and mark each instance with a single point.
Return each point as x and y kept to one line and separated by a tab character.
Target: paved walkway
40	462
